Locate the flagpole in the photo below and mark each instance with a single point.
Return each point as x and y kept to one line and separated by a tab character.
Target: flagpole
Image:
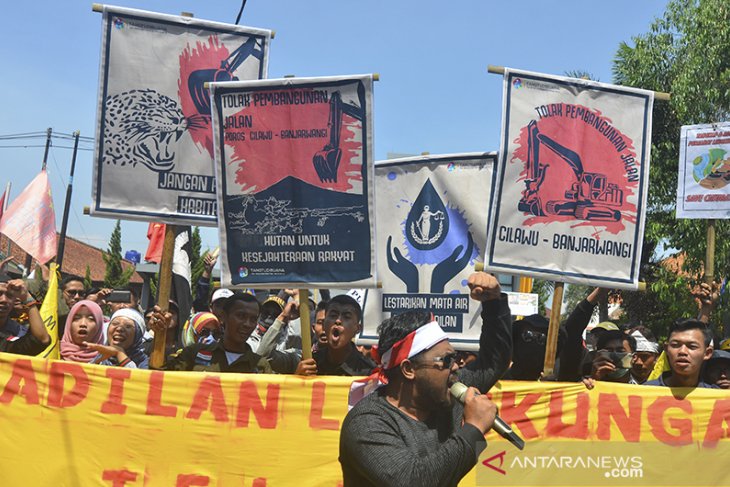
305	324
67	206
5	207
49	131
551	345
7	196
157	359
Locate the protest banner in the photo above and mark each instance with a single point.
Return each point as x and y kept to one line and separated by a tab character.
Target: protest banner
571	181
703	185
432	229
523	304
294	171
81	424
154	147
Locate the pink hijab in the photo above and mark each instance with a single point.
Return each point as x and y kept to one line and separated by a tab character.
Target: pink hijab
75	353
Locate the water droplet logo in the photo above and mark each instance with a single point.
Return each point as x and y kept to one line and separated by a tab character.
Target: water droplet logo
243	272
428	221
451	167
517	83
118	23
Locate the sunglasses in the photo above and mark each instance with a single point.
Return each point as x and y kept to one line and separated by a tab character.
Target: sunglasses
533	336
76	292
441	363
206	332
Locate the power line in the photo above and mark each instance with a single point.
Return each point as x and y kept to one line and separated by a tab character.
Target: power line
37	135
63	180
43	145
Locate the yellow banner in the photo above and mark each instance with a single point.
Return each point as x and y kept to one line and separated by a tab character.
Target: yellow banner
73	424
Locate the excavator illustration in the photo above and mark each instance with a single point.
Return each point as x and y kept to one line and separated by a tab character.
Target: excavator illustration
590	197
327	161
197	79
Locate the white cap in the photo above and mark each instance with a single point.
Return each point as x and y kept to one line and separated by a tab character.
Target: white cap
221	294
358	295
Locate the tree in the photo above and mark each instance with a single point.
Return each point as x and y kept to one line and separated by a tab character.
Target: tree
685	53
580	74
196	259
115	276
88	283
573	294
544	290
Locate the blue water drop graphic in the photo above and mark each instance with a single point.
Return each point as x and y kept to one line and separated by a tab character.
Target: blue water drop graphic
428	221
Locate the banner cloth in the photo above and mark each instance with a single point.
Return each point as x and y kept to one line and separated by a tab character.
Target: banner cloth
703	185
73	424
571	181
154	145
294	165
432	230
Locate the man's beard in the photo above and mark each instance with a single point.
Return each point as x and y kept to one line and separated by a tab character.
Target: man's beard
433	396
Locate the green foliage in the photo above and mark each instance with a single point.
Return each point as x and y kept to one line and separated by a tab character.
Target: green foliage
115	276
196	259
573	294
544	289
685	53
154	280
580	74
88	283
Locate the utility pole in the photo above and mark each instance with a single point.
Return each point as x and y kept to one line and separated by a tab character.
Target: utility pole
67	206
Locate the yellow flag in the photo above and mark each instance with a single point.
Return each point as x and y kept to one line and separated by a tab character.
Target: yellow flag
49	314
660	366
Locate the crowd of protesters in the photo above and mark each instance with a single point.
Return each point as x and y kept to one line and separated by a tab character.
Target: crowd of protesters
234	331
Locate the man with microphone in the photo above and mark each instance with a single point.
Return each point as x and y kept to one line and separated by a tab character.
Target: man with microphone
406	428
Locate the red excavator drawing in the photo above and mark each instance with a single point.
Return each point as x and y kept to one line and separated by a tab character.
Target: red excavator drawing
590	197
327	161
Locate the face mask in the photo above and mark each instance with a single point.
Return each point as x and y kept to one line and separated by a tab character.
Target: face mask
617	374
207	340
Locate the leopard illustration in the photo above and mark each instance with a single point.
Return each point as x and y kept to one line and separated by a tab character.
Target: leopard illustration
142	126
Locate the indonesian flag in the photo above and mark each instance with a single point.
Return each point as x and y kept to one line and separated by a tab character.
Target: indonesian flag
156	236
30	221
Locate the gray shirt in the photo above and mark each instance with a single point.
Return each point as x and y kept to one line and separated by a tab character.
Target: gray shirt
381	446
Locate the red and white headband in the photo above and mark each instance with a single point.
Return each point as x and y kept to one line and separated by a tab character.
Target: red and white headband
420	339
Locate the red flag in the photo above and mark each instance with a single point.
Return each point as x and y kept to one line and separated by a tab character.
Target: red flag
30	221
156	236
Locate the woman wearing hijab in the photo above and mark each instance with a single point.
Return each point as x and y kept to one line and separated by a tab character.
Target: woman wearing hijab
83	331
124	341
202	327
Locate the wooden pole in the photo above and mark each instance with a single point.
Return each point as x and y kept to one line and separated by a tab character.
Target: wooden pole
157	359
710	252
305	322
551	346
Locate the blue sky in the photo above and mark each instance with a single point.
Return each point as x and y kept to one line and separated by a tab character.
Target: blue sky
434	95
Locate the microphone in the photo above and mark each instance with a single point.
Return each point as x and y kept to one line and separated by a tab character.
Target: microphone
458	390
